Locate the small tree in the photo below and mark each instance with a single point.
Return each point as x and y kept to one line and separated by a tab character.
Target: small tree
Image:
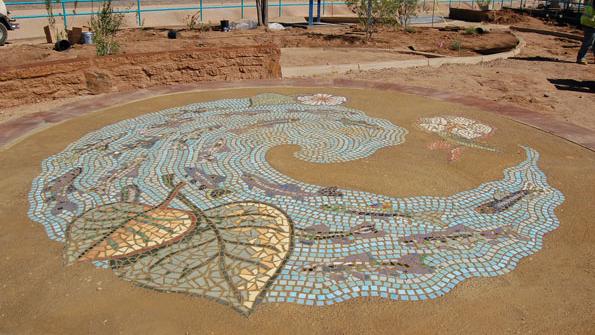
105	25
56	31
192	21
50	10
373	12
406	9
262	12
483	4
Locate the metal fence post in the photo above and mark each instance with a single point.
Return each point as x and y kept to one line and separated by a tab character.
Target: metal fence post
311	13
280	8
433	11
64	15
318	12
138	14
200	8
242	5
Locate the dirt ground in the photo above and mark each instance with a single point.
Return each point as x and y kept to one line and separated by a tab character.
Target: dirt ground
155	39
531	22
549	292
529	80
331	56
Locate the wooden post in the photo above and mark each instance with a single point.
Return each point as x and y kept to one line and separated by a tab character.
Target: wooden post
75	35
48	34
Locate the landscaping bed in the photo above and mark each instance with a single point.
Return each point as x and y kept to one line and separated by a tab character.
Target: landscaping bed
447	43
32	73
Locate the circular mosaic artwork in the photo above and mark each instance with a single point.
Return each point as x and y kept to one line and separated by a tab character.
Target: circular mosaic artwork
184	200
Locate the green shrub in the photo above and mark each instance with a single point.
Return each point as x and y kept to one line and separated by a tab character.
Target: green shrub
382	12
193	21
470	31
456	45
202	27
406	9
57	32
105	25
483	4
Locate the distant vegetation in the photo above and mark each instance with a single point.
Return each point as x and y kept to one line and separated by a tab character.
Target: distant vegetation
372	13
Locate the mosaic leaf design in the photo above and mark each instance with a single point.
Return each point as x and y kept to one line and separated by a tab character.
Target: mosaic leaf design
233	255
123	229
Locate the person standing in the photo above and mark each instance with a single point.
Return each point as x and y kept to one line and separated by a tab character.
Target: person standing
588	23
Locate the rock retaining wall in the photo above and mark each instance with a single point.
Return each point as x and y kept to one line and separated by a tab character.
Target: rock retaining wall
62	79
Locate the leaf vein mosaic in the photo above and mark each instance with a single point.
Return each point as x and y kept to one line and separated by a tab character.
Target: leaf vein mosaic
184	200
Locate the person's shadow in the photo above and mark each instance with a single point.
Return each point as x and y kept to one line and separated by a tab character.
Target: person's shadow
542	59
584	86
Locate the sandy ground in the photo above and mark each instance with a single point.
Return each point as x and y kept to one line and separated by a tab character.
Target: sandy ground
155	39
525	81
331	56
33	28
549	291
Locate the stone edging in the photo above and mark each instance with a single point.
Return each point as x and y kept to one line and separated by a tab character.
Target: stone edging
301	71
14	130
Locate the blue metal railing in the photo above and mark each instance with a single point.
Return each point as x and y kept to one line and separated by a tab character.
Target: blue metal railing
201	8
65	13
